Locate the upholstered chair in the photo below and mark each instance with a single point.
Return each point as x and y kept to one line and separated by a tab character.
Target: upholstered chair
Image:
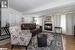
19	37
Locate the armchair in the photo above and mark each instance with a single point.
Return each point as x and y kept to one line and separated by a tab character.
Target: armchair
19	37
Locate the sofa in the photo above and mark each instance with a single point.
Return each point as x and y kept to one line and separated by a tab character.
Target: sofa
34	29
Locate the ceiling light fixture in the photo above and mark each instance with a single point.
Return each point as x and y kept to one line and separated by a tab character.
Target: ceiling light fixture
4	3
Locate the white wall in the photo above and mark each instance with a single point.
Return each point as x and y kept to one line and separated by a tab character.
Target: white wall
57	20
11	16
73	22
28	19
39	20
66	22
14	17
60	21
70	23
63	23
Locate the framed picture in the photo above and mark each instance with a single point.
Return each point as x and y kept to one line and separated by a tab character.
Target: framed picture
48	18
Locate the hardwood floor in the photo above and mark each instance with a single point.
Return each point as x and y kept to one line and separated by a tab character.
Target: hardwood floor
8	46
68	41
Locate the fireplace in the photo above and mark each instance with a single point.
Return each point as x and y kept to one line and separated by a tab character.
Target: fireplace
48	26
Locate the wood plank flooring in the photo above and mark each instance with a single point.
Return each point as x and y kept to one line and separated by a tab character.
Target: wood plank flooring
69	42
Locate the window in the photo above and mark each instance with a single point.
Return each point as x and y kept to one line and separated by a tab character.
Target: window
63	22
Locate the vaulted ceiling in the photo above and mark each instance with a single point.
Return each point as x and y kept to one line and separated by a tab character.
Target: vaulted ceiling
42	6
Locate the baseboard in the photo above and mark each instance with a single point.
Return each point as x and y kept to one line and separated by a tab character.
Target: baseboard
4	41
68	34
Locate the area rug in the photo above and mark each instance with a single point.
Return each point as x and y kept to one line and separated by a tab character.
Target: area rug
54	42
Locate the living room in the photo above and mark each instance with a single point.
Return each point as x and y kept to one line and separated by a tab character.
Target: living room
47	19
